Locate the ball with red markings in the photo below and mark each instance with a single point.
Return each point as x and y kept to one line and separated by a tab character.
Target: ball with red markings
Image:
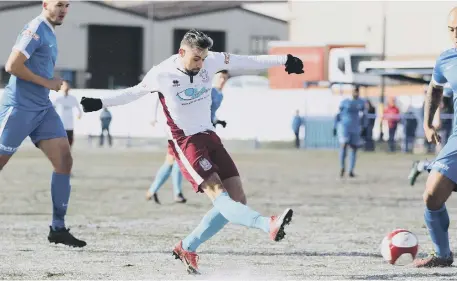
399	247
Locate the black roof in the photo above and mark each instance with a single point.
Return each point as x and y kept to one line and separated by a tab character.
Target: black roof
166	10
7	5
163	10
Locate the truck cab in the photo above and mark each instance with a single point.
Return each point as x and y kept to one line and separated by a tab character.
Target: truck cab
343	66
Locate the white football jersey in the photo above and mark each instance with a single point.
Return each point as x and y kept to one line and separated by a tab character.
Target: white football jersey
64	106
186	100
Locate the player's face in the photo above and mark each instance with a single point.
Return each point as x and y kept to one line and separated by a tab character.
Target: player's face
193	59
56	11
452	26
355	94
65	87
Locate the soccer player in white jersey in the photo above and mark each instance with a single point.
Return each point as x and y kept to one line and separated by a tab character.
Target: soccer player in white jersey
170	166
442	180
64	105
183	83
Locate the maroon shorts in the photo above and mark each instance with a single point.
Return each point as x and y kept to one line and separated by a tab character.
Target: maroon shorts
201	155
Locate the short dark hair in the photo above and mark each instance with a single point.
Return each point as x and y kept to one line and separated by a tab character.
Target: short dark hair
224	71
195	38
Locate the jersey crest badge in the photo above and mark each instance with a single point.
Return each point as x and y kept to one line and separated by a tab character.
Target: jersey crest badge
227	58
205	164
204	75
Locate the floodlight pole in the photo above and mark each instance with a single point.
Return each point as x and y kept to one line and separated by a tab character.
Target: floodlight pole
383	81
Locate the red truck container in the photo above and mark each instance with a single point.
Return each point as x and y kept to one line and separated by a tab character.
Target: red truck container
315	60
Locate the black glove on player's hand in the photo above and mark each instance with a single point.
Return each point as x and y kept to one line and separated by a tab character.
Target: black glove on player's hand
91	104
294	65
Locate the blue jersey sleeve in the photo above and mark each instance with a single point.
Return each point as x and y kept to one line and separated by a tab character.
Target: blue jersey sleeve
438	76
28	40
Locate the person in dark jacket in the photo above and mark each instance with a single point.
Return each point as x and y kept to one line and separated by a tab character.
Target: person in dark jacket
105	119
410	124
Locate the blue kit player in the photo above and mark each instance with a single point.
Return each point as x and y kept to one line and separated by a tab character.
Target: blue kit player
26	110
349	125
169	167
442	180
442	120
217	97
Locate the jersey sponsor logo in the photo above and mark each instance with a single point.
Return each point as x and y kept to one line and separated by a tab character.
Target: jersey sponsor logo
227	58
440	165
192	93
204	75
29	33
205	164
7	148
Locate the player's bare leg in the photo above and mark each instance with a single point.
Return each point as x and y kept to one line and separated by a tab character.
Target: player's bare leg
437	191
4	158
234	198
58	152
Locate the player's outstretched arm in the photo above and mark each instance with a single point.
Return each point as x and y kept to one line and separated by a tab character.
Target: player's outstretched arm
230	61
125	96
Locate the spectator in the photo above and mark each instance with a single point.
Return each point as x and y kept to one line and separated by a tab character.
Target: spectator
64	106
371	116
410	124
105	118
392	116
297	122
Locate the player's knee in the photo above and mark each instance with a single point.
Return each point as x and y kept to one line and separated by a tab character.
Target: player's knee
437	191
431	201
213	186
66	163
243	199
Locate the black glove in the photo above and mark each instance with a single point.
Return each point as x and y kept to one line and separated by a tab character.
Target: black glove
334	132
363	133
91	104
223	123
294	65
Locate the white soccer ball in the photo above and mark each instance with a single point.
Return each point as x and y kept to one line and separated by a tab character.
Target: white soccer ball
399	247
